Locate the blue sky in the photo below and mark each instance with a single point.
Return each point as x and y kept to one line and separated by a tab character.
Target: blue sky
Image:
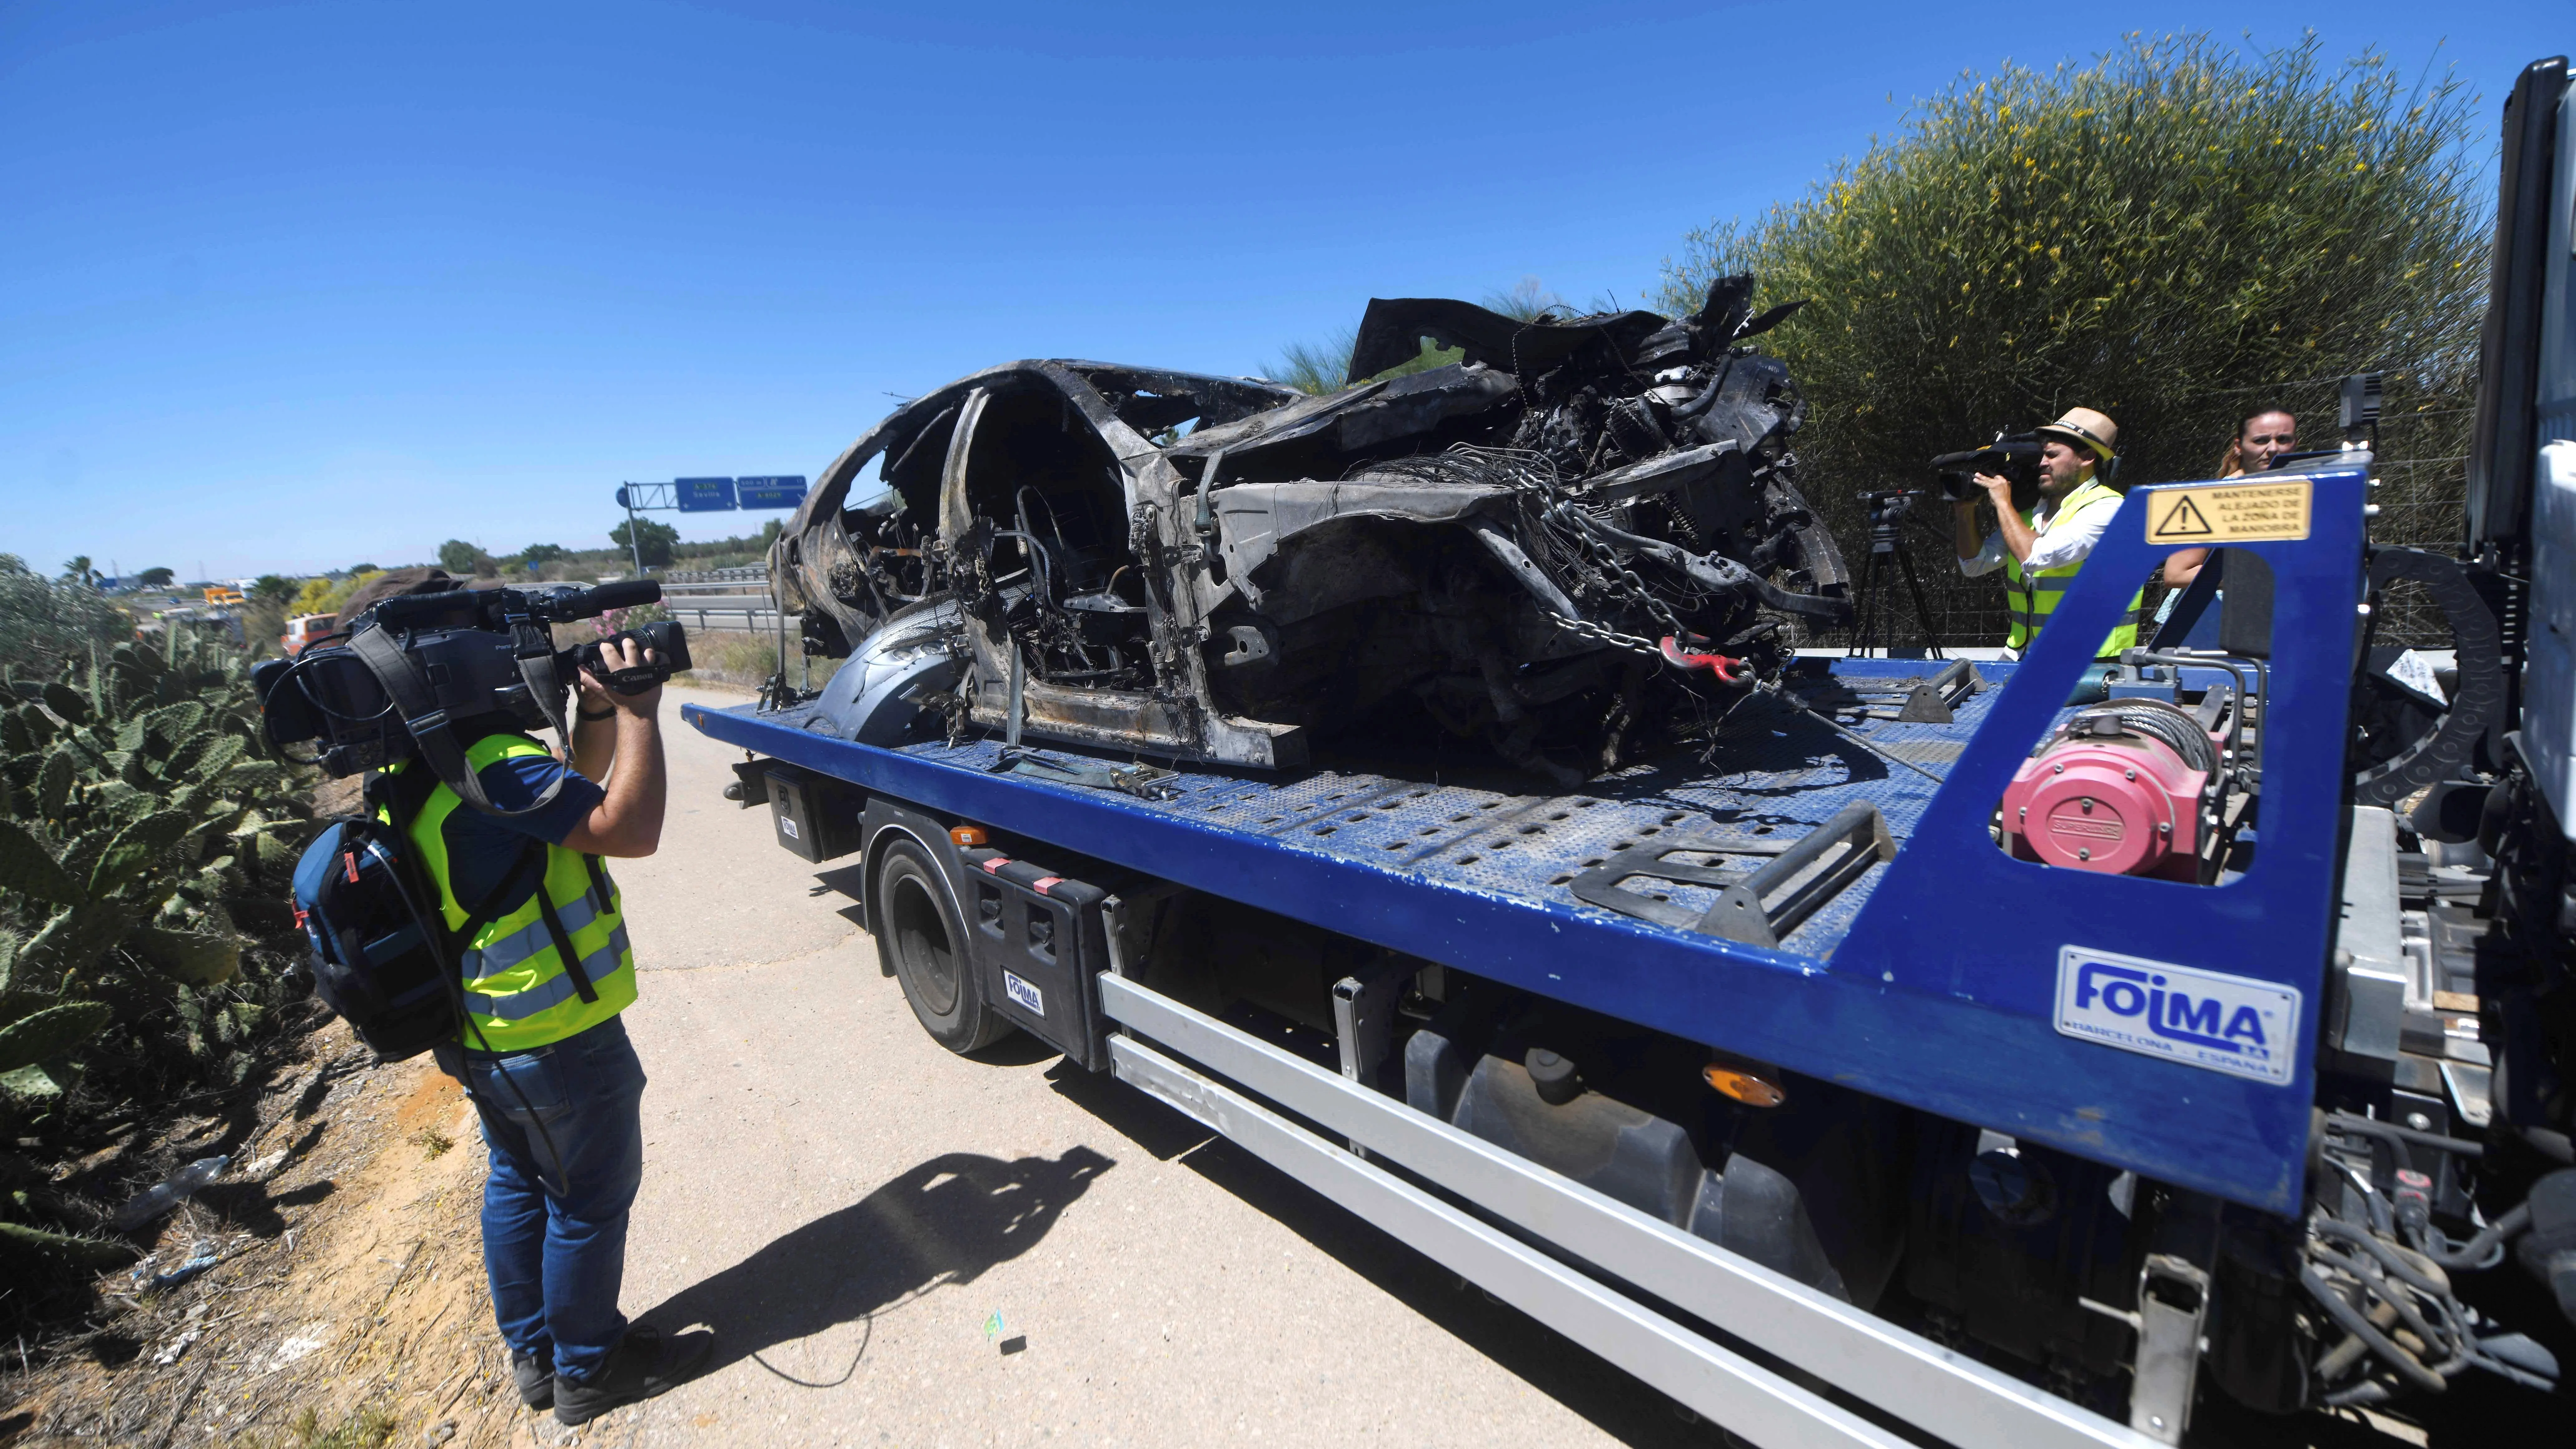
284	287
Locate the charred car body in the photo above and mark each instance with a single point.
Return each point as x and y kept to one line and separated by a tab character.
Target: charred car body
1567	545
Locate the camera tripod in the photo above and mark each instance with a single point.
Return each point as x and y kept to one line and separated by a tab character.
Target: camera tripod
1875	616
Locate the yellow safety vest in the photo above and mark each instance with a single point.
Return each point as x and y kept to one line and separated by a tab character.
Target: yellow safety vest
518	995
2034	596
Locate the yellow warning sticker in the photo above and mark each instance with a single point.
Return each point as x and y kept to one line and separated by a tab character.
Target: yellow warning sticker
2229	513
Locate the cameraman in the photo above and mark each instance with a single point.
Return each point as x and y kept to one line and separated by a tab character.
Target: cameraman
2042	549
545	1057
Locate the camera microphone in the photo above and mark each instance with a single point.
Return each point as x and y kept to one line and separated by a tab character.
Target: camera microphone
623	594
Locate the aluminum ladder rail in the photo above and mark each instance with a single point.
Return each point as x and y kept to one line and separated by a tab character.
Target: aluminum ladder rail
1919	1383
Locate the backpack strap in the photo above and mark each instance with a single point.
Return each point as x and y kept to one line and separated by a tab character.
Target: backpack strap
535	648
563	946
400	793
513	883
598	881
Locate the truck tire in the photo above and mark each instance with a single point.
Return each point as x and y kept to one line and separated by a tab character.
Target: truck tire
922	941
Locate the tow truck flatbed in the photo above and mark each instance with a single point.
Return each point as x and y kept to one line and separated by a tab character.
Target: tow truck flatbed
1933	979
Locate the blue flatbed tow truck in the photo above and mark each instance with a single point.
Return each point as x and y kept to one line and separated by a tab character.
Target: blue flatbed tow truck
1795	1075
1928	973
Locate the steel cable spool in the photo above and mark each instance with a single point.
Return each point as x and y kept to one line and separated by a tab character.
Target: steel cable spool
2157	720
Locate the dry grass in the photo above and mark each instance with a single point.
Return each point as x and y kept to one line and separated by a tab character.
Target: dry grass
366	1428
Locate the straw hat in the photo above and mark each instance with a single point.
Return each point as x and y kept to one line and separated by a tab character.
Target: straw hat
2087	427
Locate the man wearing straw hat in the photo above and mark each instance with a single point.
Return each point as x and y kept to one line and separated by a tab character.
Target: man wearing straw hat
2041	550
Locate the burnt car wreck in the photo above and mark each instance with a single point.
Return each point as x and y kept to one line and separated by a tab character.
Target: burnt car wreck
1576	546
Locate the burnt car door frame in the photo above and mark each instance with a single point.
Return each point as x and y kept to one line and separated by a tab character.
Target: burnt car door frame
1168	718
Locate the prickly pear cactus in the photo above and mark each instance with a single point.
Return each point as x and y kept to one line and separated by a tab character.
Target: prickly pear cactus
56	1029
142	822
22	1240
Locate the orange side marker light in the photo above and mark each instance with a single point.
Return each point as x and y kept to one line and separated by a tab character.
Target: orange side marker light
1745	1083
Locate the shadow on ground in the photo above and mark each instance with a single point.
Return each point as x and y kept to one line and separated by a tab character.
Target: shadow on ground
1612	1399
841	1284
945	1221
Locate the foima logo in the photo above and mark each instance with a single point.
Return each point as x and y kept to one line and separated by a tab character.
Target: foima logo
1024	993
2230	1024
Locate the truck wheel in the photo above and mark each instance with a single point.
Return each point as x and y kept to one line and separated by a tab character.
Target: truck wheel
923	942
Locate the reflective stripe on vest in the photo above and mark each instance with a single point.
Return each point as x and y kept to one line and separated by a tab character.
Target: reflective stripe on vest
518	996
528	940
555	990
2034	596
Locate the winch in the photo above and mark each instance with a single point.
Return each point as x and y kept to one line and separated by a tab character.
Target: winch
2117	789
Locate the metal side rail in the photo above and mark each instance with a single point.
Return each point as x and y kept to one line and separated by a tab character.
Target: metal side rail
1928	1387
1723	1386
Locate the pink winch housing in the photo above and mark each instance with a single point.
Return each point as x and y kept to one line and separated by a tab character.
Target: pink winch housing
2125	804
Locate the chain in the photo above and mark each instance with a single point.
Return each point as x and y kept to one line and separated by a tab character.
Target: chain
1609	636
1609	563
1651	650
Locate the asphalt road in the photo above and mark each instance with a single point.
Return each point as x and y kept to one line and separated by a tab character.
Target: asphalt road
896	1245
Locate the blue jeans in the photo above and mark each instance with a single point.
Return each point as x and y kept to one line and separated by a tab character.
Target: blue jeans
567	1142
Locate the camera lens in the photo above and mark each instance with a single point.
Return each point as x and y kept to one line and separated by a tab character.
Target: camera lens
667	638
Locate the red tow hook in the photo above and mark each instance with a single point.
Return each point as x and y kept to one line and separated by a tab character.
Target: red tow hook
1721	665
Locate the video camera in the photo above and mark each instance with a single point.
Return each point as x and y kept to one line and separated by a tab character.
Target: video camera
417	663
1887	505
2010	455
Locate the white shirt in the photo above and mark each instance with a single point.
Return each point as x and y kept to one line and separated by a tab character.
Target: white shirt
2062	541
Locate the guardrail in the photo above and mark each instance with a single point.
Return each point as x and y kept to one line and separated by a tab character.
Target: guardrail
746	574
726	590
757	620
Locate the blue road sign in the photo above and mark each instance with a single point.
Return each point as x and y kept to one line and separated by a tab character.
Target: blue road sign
704	495
771	492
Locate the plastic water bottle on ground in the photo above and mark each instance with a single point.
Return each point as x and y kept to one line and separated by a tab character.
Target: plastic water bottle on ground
170	1191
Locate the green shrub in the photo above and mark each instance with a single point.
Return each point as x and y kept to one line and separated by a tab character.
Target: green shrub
2172	234
146	838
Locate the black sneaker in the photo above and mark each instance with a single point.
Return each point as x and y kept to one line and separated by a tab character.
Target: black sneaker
642	1365
535	1378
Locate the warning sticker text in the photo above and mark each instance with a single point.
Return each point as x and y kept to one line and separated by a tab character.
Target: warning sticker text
2229	513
